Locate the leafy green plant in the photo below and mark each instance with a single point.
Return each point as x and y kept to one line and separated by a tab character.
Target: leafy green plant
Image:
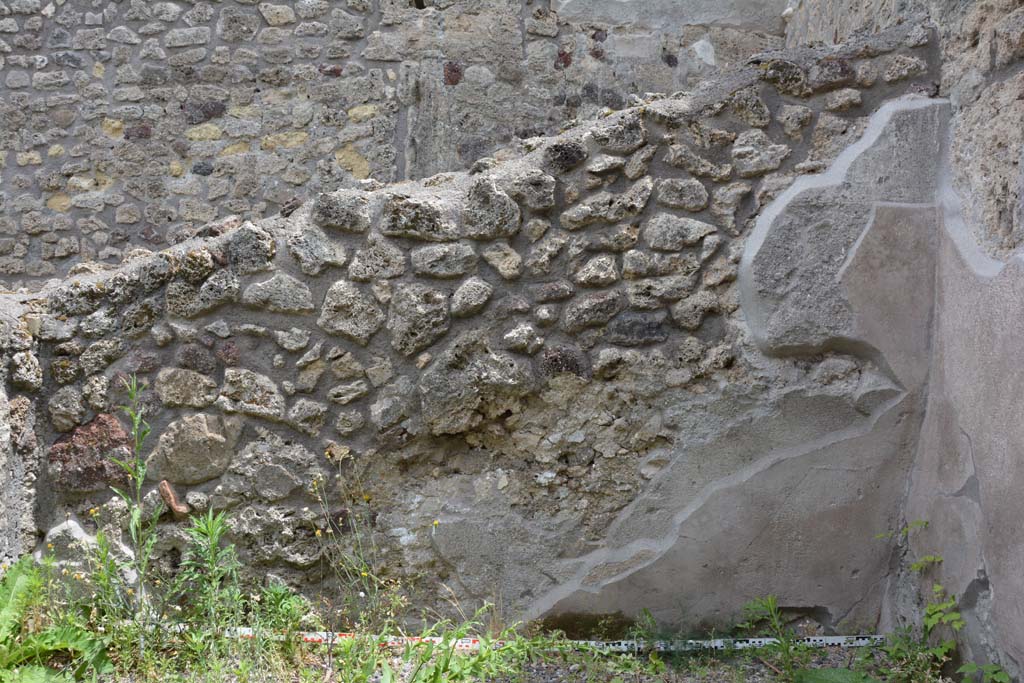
24	651
278	610
904	531
208	580
917	660
142	528
765	612
990	673
923	563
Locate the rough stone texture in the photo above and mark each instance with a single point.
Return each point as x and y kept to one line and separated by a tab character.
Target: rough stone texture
194	449
137	123
180	387
611	388
81	461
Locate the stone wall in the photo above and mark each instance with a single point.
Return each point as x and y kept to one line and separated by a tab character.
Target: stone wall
558	356
130	122
965	478
982	46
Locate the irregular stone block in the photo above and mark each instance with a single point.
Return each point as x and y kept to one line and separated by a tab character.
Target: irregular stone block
245	391
83	460
753	154
624	134
415	218
599	271
563	156
686	194
470	298
417	317
666	232
66	409
194	449
307	416
348	211
504	259
489	213
592	310
350	313
444	260
469	383
280	294
181	387
314	251
609	207
379	260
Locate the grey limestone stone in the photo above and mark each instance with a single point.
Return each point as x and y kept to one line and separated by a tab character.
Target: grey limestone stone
349	312
470	298
599	271
314	251
754	154
195	449
181	387
346	210
280	294
488	212
66	409
665	232
688	194
591	310
417	317
443	260
416	218
380	259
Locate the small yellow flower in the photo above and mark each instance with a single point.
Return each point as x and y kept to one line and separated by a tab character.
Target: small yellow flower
365	573
64	572
366	497
4	566
437	522
49	546
157	582
318	533
131	591
93	512
77	576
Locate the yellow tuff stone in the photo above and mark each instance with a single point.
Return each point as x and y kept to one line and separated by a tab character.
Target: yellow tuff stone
235	148
175	169
362	112
247	112
98	70
204	131
55	151
29	158
103	181
288	140
59	202
113	127
350	159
